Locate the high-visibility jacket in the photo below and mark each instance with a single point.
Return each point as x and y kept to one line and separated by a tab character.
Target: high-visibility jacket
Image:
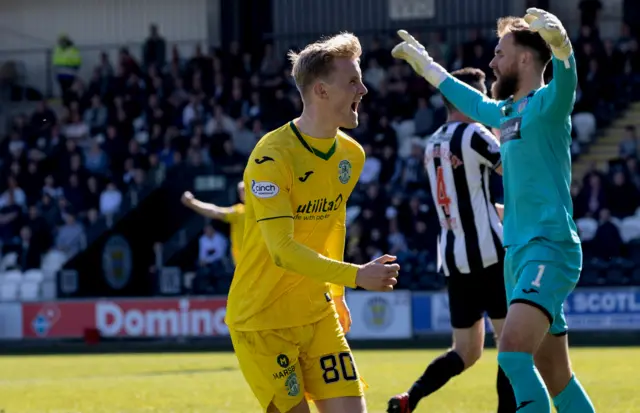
66	60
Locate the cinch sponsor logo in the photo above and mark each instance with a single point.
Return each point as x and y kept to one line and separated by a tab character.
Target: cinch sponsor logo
320	205
264	189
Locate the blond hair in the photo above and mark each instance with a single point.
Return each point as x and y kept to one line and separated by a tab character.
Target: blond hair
315	61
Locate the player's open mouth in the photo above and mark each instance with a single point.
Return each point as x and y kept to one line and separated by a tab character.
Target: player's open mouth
354	106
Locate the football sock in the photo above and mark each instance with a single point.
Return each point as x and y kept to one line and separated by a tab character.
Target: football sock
573	399
506	397
435	376
531	394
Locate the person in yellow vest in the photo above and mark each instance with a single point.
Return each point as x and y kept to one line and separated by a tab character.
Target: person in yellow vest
233	215
66	63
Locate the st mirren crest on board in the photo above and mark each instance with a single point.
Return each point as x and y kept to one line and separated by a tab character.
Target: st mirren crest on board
344	171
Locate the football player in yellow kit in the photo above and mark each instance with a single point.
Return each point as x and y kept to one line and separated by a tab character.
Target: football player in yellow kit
288	288
233	215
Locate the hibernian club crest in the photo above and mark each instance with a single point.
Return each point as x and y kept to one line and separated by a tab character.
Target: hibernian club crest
344	171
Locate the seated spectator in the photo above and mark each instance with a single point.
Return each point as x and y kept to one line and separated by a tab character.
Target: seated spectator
74	194
95	159
96	116
592	197
32	182
71	238
372	166
43	120
110	200
244	139
92	193
607	244
40	231
623	196
629	144
19	197
29	252
423	118
10	219
49	210
75	128
231	162
396	239
50	188
212	246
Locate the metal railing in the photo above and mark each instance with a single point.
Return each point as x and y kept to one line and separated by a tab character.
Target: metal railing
37	61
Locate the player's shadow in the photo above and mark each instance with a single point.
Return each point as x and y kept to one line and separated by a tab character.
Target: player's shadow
186	372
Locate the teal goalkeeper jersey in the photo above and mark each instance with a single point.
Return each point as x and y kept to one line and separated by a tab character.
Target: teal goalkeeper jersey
535	137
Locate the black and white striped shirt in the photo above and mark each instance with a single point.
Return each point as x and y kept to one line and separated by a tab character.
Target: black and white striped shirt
458	159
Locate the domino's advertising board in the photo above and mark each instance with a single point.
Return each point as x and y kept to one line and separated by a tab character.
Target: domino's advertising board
586	309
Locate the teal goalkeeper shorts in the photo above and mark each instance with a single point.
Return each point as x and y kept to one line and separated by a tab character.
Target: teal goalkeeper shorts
543	273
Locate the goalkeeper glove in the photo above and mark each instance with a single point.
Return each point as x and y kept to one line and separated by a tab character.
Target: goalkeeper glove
551	30
411	51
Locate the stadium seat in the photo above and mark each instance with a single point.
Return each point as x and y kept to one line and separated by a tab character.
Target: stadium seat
8	291
48	290
584	124
29	290
630	229
12	276
52	262
8	261
587	228
34	275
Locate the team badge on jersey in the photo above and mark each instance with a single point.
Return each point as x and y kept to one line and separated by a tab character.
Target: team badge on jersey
293	385
344	171
523	105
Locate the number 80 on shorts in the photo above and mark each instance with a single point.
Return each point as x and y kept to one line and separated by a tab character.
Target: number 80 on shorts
338	366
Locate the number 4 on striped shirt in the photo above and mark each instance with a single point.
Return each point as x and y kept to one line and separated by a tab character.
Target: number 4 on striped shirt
443	199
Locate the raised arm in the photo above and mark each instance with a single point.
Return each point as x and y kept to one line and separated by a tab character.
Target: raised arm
466	99
268	187
206	209
471	102
558	97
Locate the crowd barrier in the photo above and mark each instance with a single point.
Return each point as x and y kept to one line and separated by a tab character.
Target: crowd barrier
396	315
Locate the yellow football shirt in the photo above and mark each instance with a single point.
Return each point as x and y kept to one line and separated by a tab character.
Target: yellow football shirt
235	219
297	189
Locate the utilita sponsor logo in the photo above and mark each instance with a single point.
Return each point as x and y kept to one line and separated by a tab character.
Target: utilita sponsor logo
159	319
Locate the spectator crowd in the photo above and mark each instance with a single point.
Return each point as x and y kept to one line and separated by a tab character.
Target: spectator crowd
63	173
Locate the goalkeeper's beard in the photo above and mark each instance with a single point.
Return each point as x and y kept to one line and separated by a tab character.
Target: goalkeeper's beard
505	86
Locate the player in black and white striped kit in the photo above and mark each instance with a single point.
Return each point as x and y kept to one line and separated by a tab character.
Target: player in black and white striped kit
459	157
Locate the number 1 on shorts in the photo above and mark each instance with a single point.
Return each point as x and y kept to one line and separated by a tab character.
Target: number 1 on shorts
536	282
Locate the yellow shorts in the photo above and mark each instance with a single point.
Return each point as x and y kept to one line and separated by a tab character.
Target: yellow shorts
282	366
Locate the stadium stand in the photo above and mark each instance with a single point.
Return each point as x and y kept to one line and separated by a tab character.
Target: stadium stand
67	172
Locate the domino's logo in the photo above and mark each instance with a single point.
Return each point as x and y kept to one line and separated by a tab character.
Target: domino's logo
46	318
41	325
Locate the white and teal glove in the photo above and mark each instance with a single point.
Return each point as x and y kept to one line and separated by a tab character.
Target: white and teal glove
551	30
411	51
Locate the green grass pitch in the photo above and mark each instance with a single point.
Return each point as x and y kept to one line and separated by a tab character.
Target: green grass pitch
211	382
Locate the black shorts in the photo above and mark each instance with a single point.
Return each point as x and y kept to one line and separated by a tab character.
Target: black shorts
472	295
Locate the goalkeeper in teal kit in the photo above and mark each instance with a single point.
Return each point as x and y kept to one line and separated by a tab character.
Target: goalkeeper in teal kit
544	256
